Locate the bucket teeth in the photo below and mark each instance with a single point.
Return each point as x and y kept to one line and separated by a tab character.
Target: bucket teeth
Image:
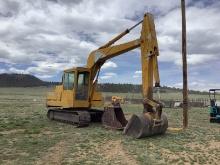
113	117
144	125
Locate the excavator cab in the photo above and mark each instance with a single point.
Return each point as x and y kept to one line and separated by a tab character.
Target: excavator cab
77	80
74	91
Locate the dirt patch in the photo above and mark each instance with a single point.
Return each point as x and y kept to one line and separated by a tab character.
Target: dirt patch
13	131
47	132
9	162
54	155
212	145
114	150
176	157
198	153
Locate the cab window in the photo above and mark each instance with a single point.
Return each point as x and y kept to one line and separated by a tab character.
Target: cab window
68	81
82	86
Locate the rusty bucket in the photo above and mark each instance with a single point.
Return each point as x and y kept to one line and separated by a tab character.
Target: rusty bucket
113	117
144	125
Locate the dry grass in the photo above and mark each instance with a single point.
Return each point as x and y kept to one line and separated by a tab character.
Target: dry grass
27	137
54	155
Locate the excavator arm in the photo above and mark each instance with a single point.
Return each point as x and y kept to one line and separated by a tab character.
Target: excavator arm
99	57
149	52
152	121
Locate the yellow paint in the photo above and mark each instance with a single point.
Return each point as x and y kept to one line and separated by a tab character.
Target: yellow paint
118	99
171	129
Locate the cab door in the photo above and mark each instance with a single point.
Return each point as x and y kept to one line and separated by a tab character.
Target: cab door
82	89
68	93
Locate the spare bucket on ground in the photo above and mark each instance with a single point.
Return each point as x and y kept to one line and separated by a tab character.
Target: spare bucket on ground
113	117
144	125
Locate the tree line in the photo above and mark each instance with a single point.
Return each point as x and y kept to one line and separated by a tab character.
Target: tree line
137	88
26	80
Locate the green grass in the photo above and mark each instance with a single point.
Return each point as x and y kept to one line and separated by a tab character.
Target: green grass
28	137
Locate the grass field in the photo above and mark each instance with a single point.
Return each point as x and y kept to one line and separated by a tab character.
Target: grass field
28	137
164	96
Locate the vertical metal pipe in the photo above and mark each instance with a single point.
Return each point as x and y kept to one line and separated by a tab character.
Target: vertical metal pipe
184	59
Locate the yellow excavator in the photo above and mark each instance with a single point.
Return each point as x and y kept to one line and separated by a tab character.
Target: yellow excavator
77	99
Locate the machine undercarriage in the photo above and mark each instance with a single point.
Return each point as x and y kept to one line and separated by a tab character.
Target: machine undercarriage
112	117
77	117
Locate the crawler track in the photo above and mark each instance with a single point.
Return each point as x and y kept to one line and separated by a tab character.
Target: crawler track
79	118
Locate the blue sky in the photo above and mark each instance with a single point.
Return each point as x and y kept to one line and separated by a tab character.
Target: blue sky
44	37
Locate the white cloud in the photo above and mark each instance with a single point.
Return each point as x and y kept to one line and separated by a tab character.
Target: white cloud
51	35
108	75
202	35
137	74
195	59
68	29
19	71
201	85
109	64
3	71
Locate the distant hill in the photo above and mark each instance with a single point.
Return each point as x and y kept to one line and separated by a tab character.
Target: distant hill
21	80
26	80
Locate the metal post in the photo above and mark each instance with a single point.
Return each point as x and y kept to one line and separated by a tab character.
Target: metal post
184	58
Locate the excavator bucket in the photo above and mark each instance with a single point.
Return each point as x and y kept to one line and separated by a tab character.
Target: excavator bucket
144	125
113	117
